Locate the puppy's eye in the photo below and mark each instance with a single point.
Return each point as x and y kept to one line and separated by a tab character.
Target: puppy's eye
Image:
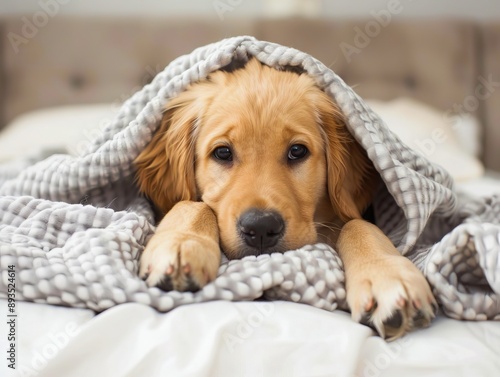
223	154
296	152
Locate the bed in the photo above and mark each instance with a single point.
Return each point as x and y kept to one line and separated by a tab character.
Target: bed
254	338
236	338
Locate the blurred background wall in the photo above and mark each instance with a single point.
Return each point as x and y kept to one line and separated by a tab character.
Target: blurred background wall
470	9
444	54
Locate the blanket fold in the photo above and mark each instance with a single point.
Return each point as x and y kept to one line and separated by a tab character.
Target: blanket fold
74	226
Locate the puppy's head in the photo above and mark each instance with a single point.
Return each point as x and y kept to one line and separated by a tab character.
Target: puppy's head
267	150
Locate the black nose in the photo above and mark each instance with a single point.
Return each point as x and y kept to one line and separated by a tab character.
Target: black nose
261	229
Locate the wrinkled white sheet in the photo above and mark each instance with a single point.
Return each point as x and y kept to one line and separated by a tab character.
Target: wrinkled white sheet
241	339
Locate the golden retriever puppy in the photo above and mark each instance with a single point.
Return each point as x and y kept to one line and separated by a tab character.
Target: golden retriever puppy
257	160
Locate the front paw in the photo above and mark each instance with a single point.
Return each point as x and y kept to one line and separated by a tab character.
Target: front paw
179	261
390	294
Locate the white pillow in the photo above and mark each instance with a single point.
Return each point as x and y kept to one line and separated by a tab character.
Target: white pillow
429	132
66	129
469	133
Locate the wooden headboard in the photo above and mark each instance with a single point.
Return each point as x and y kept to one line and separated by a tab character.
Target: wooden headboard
79	60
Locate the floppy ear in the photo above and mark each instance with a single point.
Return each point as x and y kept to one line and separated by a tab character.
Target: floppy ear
351	177
165	168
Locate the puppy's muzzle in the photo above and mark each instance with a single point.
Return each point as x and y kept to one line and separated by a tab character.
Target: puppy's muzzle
260	229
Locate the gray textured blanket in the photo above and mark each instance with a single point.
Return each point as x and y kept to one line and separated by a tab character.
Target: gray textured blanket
74	227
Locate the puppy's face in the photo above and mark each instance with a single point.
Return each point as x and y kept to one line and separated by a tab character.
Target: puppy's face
260	157
266	150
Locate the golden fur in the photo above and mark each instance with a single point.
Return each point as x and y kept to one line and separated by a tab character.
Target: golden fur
259	113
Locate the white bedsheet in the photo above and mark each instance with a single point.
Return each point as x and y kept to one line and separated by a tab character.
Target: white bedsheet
242	339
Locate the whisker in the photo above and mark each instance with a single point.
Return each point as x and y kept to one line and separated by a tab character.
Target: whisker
328	225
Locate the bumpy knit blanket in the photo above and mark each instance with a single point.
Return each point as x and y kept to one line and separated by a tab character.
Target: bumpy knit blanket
73	227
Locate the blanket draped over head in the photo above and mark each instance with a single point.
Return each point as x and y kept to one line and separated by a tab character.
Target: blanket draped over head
73	227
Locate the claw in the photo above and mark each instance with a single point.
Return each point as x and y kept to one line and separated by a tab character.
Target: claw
435	307
401	302
169	270
396	326
417	304
369	306
396	321
422	318
365	319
